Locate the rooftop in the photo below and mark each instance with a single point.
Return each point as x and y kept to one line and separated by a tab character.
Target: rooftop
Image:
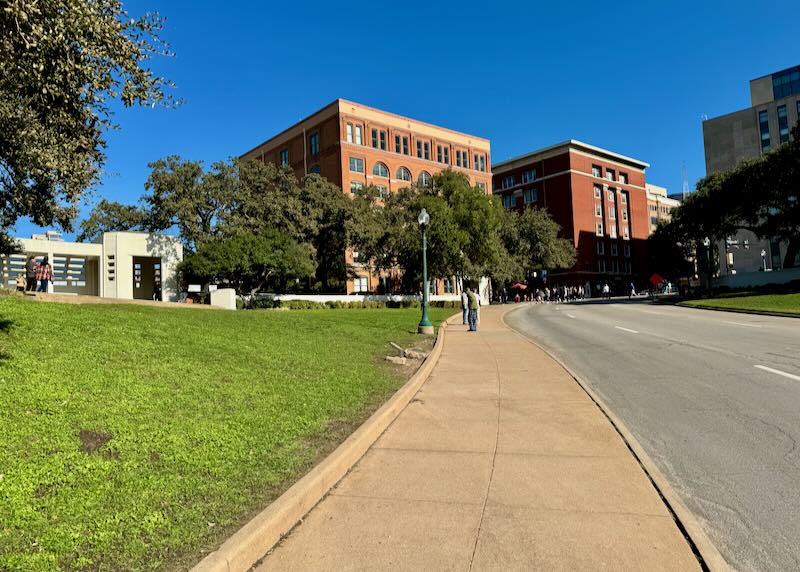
575	145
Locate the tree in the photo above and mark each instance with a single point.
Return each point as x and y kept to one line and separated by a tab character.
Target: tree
670	253
64	62
532	240
183	195
109	216
251	263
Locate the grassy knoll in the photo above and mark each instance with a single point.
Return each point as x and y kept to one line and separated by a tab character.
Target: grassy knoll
135	438
787	304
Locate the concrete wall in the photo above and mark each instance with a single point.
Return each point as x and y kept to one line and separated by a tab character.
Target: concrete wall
117	280
752	279
322	298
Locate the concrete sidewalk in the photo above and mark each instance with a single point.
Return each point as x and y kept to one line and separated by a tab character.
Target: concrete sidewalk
501	462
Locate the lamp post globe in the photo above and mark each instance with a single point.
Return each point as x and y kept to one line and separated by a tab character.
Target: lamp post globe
425	325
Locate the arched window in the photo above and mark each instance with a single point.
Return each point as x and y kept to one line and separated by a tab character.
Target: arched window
314	169
403	174
424	178
380	170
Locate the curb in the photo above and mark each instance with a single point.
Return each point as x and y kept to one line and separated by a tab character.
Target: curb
740	311
251	542
708	555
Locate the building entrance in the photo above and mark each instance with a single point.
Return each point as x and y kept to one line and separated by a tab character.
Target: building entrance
146	278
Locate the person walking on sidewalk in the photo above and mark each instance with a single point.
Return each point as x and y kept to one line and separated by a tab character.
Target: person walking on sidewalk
44	274
465	306
30	274
473	310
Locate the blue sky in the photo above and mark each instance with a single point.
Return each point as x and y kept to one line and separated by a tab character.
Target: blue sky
633	77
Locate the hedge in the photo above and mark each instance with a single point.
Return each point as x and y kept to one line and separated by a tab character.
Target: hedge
269	303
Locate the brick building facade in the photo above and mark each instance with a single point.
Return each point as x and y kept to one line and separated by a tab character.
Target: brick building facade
354	146
597	197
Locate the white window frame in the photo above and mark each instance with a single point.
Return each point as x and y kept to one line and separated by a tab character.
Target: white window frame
612	231
508	181
360	281
598	210
625	214
623	178
612	213
610	175
358	160
383	191
599	229
598	192
509	201
349	130
531	196
356	186
626	233
597	171
529	176
359	140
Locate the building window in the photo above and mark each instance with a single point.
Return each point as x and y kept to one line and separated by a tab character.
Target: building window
356	165
626	233
623	198
623	178
383	192
529	176
508	182
615	266
355	186
360	284
358	135
509	201
379	139
397	146
601	247
599	230
612	213
626	250
612	230
611	195
783	124
401	144
449	285
446	155
614	249
380	170
403	174
419	149
531	196
597	171
482	186
610	174
313	144
383	140
598	210
424	178
439	154
786	83
349	132
314	169
284	158
654	220
427	147
763	124
598	192
458	157
601	265
624	214
628	268
480	162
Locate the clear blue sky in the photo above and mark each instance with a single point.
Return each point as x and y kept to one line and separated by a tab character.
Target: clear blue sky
633	77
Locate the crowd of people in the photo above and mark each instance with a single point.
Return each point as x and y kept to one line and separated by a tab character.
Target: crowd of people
37	276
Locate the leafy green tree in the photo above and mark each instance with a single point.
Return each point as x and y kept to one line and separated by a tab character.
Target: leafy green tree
532	240
108	216
63	62
251	263
670	253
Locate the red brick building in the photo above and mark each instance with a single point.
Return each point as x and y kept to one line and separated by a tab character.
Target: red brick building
354	146
597	197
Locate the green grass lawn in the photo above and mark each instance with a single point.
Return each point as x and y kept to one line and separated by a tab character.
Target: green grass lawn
765	303
136	438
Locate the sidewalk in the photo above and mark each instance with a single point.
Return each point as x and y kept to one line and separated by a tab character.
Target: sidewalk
501	462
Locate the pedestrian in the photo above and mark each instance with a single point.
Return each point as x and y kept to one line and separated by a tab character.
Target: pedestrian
478	309
465	305
30	274
472	304
606	291
631	290
20	282
44	274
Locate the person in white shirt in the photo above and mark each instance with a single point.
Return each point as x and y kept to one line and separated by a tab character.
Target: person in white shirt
465	306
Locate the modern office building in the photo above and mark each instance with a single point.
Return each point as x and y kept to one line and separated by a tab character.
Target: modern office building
354	146
659	205
124	265
747	134
599	199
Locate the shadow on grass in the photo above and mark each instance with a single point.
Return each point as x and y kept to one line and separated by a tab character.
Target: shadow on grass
5	328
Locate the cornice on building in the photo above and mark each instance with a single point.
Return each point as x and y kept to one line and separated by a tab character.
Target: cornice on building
566	146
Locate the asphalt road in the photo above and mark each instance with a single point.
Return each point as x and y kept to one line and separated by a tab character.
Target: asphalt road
713	397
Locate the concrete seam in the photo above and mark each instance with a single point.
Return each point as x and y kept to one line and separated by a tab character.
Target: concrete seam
494	458
707	554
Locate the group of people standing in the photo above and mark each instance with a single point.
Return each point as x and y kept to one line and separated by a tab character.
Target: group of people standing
470	306
37	277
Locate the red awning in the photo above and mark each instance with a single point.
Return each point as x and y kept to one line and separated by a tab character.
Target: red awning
519	286
655	280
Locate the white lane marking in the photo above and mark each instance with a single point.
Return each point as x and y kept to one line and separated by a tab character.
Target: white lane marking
570	316
779	372
626	330
741	324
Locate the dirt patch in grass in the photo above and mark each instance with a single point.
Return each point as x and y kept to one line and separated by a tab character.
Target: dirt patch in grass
91	440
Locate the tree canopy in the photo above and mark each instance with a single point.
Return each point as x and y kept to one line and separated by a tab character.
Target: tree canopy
64	62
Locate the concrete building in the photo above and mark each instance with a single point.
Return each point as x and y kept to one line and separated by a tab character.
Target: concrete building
124	265
659	205
747	134
599	199
354	146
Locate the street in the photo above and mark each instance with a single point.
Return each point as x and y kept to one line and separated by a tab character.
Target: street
714	399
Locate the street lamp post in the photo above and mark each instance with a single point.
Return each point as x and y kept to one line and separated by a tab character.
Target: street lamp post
425	326
707	244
